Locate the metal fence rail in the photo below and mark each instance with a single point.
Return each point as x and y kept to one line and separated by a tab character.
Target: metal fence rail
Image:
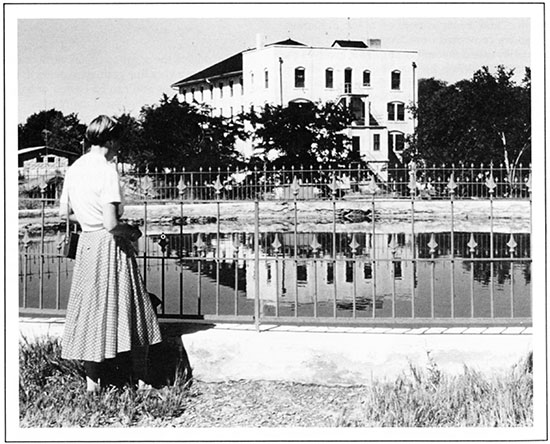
429	182
337	275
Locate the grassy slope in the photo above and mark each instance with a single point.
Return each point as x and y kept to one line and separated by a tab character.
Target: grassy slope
52	394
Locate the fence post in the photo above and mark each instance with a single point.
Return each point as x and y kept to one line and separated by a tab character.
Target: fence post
412	192
334	272
472	244
512	247
490	183
217	190
452	186
26	244
257	264
163	242
43	186
295	188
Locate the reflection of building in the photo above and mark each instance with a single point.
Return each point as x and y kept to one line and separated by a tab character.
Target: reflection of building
377	84
281	278
353	275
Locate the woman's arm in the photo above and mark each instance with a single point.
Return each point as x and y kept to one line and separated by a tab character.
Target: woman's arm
113	225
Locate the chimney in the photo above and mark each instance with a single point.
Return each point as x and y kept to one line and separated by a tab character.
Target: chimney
259	41
374	43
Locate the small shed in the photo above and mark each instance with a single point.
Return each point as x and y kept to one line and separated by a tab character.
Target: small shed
44	159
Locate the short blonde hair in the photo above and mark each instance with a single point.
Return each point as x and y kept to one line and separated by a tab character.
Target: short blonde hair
102	130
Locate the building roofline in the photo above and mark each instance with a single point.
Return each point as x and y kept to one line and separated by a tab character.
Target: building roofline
234	65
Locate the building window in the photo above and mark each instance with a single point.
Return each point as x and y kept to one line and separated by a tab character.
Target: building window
347	80
355	145
241	85
266	79
330	272
329	78
231	88
252	79
376	142
349	271
396	141
367	270
397	270
301	273
396	111
211	92
396	79
366	77
220	85
299	78
357	108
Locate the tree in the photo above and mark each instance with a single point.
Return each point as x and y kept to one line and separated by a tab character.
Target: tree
53	129
302	134
131	140
484	119
181	135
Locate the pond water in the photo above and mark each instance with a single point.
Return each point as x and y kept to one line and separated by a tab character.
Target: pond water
318	274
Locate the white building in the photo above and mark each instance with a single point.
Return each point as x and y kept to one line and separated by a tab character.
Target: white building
378	84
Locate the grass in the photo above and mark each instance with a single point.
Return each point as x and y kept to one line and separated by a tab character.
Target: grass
52	394
429	398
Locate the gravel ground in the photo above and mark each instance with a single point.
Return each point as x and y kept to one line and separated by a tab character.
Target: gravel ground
268	404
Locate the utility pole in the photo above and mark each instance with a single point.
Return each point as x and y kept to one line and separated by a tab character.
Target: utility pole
281	78
414	93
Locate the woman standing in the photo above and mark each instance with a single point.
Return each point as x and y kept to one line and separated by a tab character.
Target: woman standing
109	312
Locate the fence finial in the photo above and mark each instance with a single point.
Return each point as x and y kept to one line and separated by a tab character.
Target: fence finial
354	244
472	244
163	242
276	244
315	245
393	243
295	187
199	243
512	244
432	244
490	183
372	187
452	184
217	186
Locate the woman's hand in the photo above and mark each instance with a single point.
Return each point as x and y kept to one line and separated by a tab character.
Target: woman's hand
134	233
115	227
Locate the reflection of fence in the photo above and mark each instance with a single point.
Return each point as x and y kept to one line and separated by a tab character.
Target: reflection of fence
366	275
426	182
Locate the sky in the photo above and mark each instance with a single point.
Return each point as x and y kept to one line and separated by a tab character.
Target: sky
118	62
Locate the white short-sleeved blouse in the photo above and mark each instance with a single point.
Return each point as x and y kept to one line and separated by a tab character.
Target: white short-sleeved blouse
90	183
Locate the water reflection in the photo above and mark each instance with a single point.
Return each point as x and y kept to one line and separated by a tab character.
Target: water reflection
318	274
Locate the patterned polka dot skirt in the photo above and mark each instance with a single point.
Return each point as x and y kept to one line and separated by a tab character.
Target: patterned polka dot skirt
109	309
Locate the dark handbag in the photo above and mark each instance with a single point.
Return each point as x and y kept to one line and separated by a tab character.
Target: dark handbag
71	245
71	238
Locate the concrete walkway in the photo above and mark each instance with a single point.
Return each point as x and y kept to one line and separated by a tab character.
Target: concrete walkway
330	355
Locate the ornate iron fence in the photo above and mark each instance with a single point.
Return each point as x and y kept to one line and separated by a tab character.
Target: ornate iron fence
426	182
349	248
